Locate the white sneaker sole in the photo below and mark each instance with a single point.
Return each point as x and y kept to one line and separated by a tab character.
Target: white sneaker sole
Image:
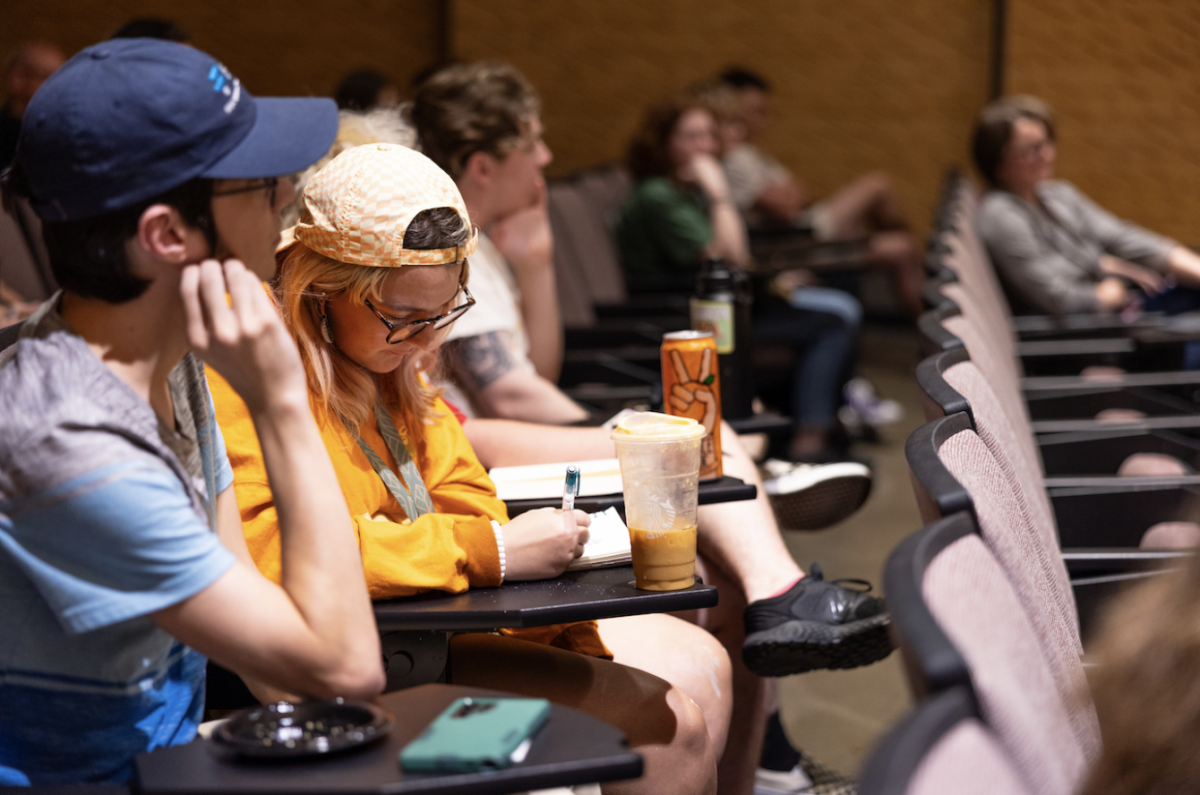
813	498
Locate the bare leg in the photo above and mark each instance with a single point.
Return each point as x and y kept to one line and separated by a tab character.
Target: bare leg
661	721
745	557
896	253
682	654
751	694
742	538
807	443
865	205
868	206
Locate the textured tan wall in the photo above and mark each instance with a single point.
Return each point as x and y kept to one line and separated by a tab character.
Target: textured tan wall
859	84
1124	79
273	46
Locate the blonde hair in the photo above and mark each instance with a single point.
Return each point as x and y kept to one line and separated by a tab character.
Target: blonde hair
719	98
348	391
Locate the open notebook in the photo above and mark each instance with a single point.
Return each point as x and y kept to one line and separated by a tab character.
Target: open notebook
608	537
608	543
541	481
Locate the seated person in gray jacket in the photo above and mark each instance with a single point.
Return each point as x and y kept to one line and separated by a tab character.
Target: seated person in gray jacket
1055	250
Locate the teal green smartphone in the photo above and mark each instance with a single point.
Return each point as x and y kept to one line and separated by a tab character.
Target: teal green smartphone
475	734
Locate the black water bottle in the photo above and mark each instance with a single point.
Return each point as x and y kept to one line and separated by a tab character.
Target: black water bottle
722	305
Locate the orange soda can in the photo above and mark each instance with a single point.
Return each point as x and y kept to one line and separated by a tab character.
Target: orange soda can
692	388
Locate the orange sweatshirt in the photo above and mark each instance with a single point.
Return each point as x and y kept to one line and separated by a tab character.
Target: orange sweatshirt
451	549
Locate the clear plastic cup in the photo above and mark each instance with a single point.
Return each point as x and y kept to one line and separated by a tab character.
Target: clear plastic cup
660	474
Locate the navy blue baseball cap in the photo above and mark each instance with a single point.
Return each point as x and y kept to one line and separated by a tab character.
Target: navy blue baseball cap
128	119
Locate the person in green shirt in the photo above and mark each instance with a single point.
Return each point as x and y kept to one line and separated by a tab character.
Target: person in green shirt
680	212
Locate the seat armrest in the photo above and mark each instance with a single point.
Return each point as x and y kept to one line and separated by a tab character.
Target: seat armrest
1119	514
1101	452
1188	425
1074	326
1087	403
1182	379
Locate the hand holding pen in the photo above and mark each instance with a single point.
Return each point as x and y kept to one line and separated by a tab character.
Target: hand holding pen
570	492
539	544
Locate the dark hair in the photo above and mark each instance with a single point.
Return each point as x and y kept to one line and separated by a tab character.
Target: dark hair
740	78
152	28
649	151
993	131
439	227
427	71
469	108
360	90
87	255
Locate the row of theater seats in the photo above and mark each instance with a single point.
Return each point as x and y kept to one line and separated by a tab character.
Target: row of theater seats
1043	495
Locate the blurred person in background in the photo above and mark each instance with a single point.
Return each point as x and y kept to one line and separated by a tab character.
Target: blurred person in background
768	194
28	66
1145	682
862	414
24	276
1056	251
366	89
681	211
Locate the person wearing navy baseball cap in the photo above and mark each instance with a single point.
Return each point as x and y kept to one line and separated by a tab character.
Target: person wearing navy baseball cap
159	179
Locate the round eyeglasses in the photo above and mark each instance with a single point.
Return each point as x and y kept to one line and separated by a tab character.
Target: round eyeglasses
399	332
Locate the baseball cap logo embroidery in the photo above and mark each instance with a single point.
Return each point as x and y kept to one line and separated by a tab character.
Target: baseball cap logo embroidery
128	119
227	84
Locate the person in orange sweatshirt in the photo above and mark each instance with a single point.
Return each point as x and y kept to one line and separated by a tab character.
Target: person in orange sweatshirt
368	283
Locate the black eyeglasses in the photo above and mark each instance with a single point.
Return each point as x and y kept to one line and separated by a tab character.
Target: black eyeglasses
268	183
399	332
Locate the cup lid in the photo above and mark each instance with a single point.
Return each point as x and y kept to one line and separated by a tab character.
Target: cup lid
653	426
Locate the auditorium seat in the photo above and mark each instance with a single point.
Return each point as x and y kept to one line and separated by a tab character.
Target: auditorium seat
959	623
942	746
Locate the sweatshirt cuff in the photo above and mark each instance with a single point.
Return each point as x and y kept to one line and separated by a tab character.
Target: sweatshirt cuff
478	540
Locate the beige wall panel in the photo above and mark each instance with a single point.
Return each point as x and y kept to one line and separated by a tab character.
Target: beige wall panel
859	84
1124	79
273	46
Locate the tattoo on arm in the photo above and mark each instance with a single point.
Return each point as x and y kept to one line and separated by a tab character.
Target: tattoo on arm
480	361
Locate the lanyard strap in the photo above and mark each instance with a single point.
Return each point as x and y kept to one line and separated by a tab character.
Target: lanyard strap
414	499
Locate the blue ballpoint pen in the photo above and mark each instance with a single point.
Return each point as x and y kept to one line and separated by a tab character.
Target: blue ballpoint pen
570	488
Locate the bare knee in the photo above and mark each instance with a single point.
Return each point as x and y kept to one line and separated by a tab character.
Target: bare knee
692	746
684	764
897	250
681	654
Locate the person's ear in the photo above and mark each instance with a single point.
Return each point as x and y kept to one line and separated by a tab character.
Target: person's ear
480	168
163	235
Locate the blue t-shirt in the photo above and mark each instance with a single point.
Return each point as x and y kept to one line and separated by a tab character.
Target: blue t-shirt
106	515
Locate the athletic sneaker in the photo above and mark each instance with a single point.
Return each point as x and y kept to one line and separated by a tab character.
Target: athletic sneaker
815	625
864	412
814	496
781	782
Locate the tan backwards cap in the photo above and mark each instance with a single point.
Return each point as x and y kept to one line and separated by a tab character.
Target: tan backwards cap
359	206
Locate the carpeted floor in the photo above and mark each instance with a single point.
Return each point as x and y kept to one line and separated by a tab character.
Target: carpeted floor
836	716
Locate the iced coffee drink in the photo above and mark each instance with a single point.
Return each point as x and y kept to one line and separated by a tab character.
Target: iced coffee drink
660	473
663	561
